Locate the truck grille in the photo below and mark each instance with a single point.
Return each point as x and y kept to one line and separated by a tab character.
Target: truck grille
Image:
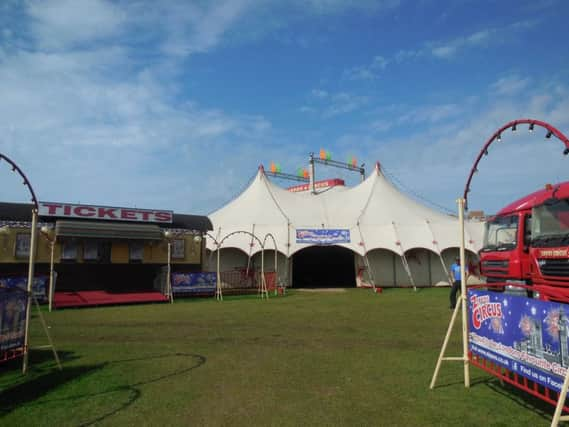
495	267
554	267
496	263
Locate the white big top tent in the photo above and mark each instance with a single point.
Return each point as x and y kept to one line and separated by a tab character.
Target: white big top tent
393	240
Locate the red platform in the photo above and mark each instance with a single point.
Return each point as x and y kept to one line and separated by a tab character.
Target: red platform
94	298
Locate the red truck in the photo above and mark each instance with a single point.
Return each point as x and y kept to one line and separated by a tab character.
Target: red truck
505	255
527	243
549	249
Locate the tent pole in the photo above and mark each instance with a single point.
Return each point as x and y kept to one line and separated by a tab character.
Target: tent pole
218	293
312	179
403	257
436	245
263	283
169	280
408	269
51	281
276	271
366	260
250	250
287	261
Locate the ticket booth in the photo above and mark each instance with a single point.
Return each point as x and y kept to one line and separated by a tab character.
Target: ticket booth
102	255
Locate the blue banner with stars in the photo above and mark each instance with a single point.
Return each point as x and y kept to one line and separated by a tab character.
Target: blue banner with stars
526	336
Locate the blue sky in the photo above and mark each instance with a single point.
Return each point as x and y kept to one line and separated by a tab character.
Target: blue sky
174	104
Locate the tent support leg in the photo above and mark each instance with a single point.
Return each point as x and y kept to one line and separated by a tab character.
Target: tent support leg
408	270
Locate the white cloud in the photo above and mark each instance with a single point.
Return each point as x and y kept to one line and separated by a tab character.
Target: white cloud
335	6
510	85
319	93
481	38
328	105
66	23
367	72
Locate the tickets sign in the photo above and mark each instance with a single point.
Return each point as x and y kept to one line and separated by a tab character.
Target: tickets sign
67	210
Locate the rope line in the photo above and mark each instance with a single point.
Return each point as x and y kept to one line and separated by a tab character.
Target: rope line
402	186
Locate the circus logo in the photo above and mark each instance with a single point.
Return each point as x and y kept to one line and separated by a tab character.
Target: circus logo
483	309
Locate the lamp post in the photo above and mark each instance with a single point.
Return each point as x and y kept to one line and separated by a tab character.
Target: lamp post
168	236
50	236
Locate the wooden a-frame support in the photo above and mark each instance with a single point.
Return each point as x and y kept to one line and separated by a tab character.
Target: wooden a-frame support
463	307
29	290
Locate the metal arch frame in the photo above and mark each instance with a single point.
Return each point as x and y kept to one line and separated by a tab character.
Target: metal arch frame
218	291
26	182
207	234
276	259
496	136
32	261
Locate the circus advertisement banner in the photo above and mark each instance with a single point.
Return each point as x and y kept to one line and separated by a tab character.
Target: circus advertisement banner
194	283
322	236
13	305
526	336
38	289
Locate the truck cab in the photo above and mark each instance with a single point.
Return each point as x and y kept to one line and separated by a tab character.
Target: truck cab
505	255
550	243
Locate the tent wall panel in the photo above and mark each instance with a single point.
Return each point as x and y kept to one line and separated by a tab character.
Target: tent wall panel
401	276
381	263
419	263
438	275
231	259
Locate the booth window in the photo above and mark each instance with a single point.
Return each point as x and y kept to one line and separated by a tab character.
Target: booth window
136	251
90	250
22	249
179	248
69	250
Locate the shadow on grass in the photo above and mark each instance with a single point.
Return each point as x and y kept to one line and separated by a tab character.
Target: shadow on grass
521	398
527	401
473	383
33	390
39	360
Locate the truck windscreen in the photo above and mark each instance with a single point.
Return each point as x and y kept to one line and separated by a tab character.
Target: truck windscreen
550	226
500	233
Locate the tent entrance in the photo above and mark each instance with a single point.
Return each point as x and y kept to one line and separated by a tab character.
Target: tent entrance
324	267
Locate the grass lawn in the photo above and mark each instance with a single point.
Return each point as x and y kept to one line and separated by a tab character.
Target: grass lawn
351	358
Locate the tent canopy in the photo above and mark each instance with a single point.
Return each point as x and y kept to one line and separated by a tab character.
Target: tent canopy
374	213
